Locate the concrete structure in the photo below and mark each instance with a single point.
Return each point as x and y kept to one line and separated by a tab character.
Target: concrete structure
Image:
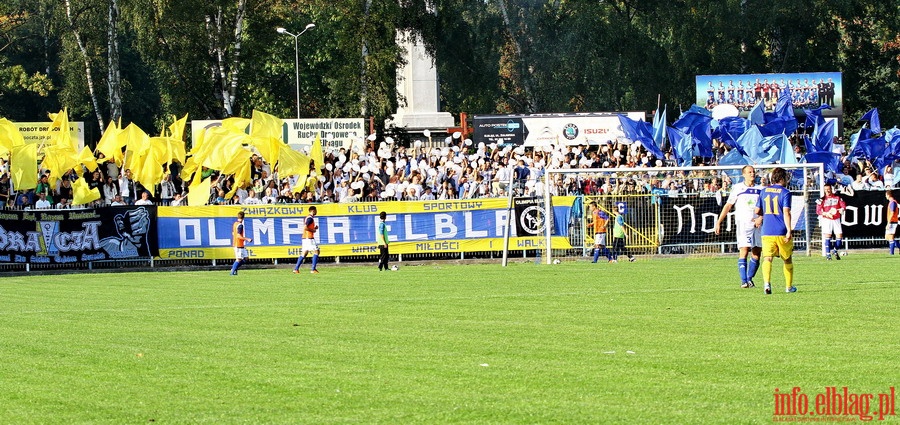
417	89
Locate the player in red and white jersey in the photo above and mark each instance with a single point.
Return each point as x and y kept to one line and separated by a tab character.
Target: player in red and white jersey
829	208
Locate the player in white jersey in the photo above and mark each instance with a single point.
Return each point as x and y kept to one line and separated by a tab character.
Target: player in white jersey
743	198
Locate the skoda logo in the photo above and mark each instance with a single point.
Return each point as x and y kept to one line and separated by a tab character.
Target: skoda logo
570	131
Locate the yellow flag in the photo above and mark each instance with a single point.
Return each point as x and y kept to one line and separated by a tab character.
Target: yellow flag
221	147
59	159
23	166
316	154
198	192
59	134
268	147
234	124
265	125
293	163
86	158
266	135
241	173
10	136
82	193
110	144
176	130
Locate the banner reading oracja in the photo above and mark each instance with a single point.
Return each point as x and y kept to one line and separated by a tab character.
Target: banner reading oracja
68	236
349	229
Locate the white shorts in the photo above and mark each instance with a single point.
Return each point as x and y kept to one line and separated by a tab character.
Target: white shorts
310	245
830	226
600	239
240	253
747	235
891	229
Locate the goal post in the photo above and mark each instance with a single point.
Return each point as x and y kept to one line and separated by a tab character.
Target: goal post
673	210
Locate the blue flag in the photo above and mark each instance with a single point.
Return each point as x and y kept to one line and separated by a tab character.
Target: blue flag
823	137
640	131
785	107
702	140
874	121
749	142
733	157
758	114
830	160
682	146
691	119
892	137
730	128
814	116
659	128
869	149
771	150
788	156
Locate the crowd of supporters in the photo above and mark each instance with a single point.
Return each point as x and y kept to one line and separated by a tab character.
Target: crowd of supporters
385	171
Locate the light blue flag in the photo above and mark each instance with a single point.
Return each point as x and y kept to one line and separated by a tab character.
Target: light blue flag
750	141
758	114
770	150
733	157
659	128
787	152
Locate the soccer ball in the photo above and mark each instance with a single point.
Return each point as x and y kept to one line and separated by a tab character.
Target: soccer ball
394	268
556	261
844	254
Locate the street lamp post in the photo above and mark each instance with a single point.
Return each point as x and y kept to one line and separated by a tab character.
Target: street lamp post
296	59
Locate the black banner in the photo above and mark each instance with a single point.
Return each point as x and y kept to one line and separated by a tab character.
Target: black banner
692	219
502	130
865	216
530	217
69	236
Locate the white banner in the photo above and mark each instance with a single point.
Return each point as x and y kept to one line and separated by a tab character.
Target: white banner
36	132
576	129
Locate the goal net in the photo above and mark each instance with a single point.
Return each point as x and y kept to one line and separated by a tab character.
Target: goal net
671	211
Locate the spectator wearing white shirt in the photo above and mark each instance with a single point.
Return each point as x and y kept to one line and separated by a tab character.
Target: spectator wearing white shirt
145	199
42	202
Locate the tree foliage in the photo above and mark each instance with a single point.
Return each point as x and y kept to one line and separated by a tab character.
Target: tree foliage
219	58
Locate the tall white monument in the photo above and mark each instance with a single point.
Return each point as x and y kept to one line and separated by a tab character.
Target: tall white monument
417	88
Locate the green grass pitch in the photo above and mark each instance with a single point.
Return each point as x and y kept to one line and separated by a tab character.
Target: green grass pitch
656	341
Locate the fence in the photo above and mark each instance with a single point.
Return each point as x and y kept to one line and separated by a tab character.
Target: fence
165	237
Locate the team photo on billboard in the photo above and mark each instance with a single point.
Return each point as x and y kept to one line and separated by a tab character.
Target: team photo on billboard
743	91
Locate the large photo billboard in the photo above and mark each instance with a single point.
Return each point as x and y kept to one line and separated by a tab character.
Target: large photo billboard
808	90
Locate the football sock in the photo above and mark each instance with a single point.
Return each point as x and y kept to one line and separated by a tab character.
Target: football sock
767	271
606	253
752	267
742	269
837	244
235	266
300	262
596	254
788	275
315	261
892	244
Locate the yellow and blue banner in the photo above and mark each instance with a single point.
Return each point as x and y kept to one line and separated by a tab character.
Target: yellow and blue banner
349	229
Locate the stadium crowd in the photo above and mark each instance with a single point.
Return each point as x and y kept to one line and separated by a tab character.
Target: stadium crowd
387	171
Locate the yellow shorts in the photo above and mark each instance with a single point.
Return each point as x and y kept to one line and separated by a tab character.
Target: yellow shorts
776	246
